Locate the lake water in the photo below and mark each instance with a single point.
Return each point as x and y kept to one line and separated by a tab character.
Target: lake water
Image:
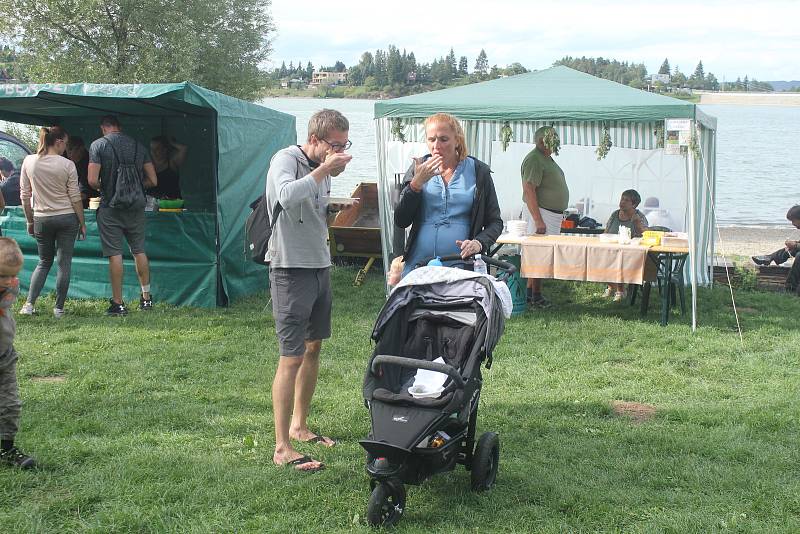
758	161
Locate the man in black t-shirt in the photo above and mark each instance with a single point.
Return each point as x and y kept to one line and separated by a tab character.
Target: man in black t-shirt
105	156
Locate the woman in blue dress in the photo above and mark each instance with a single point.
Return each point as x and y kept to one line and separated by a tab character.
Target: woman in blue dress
448	198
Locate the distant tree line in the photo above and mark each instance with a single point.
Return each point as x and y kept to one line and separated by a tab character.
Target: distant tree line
635	75
394	71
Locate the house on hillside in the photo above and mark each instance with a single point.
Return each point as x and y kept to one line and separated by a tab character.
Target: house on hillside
328	78
293	83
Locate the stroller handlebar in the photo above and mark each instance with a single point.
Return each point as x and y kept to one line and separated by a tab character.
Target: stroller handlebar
510	268
449	370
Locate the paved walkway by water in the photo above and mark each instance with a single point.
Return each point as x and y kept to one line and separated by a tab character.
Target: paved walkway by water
750	99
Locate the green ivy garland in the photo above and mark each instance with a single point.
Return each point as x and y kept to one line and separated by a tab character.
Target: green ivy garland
694	143
605	144
551	140
397	130
506	135
659	133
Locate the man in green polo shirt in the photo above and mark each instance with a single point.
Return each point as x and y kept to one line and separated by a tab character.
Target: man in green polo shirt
545	192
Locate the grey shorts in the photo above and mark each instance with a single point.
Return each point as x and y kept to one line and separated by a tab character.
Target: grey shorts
301	307
114	224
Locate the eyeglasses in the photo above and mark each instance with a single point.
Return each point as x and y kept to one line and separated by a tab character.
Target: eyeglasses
337	147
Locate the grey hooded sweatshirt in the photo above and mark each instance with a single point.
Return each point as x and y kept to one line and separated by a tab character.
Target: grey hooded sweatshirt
300	236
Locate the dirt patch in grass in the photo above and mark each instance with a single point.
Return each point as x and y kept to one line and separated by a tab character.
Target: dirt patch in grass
56	379
635	411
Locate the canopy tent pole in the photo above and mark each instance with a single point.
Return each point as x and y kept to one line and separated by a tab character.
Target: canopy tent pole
691	170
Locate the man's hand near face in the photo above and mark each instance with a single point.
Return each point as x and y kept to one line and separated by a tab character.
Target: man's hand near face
335	162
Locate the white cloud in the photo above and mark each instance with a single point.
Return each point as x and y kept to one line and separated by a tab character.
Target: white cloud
732	38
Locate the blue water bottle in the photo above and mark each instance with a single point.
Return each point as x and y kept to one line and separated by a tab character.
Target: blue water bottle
436	262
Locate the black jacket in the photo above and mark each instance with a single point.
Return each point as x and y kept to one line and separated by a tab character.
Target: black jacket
485	221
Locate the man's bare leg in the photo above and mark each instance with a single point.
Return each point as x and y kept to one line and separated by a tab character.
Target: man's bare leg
143	271
305	384
115	274
283	397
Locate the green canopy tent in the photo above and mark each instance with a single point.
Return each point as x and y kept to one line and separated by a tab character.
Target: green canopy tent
500	117
197	257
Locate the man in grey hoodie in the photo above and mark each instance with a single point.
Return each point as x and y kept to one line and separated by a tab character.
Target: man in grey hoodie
299	179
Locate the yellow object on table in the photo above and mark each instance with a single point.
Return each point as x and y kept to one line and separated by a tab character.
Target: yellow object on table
651	238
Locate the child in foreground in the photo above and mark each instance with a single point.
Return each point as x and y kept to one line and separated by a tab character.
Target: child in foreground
10	265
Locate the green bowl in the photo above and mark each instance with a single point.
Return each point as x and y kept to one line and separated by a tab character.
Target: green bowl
170	204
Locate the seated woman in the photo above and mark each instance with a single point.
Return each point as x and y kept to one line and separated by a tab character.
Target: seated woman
168	155
628	216
448	198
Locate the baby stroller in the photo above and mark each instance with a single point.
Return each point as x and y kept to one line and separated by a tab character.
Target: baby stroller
457	317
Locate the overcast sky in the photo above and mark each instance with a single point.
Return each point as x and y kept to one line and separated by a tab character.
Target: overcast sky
733	38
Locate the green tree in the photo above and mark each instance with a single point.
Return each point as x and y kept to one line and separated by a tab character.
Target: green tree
309	71
220	45
462	66
697	80
410	68
394	66
482	65
514	69
379	73
367	63
451	63
440	71
678	78
664	67
711	82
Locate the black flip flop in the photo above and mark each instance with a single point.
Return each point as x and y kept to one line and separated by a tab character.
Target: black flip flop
297	462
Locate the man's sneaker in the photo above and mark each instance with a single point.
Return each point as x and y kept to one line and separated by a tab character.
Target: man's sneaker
619	296
117	310
145	304
540	302
762	260
15	458
608	292
58	313
27	309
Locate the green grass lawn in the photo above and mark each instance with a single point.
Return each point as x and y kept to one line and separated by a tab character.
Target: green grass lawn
162	422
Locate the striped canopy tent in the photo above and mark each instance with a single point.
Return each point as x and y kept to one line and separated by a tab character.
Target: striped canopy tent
500	117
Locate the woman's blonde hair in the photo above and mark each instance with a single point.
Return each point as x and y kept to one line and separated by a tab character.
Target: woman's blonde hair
48	137
458	131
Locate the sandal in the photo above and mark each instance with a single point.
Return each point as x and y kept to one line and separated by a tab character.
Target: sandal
303	460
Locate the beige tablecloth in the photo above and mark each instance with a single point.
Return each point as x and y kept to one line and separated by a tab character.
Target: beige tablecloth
584	258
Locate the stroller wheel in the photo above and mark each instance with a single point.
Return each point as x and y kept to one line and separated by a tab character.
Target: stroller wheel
386	504
485	462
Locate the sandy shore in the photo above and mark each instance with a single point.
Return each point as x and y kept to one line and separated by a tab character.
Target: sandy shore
749	241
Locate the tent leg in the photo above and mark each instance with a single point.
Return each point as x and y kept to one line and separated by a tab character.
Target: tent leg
362	273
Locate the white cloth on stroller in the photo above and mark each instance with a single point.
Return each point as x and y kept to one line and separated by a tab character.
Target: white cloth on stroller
434	274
